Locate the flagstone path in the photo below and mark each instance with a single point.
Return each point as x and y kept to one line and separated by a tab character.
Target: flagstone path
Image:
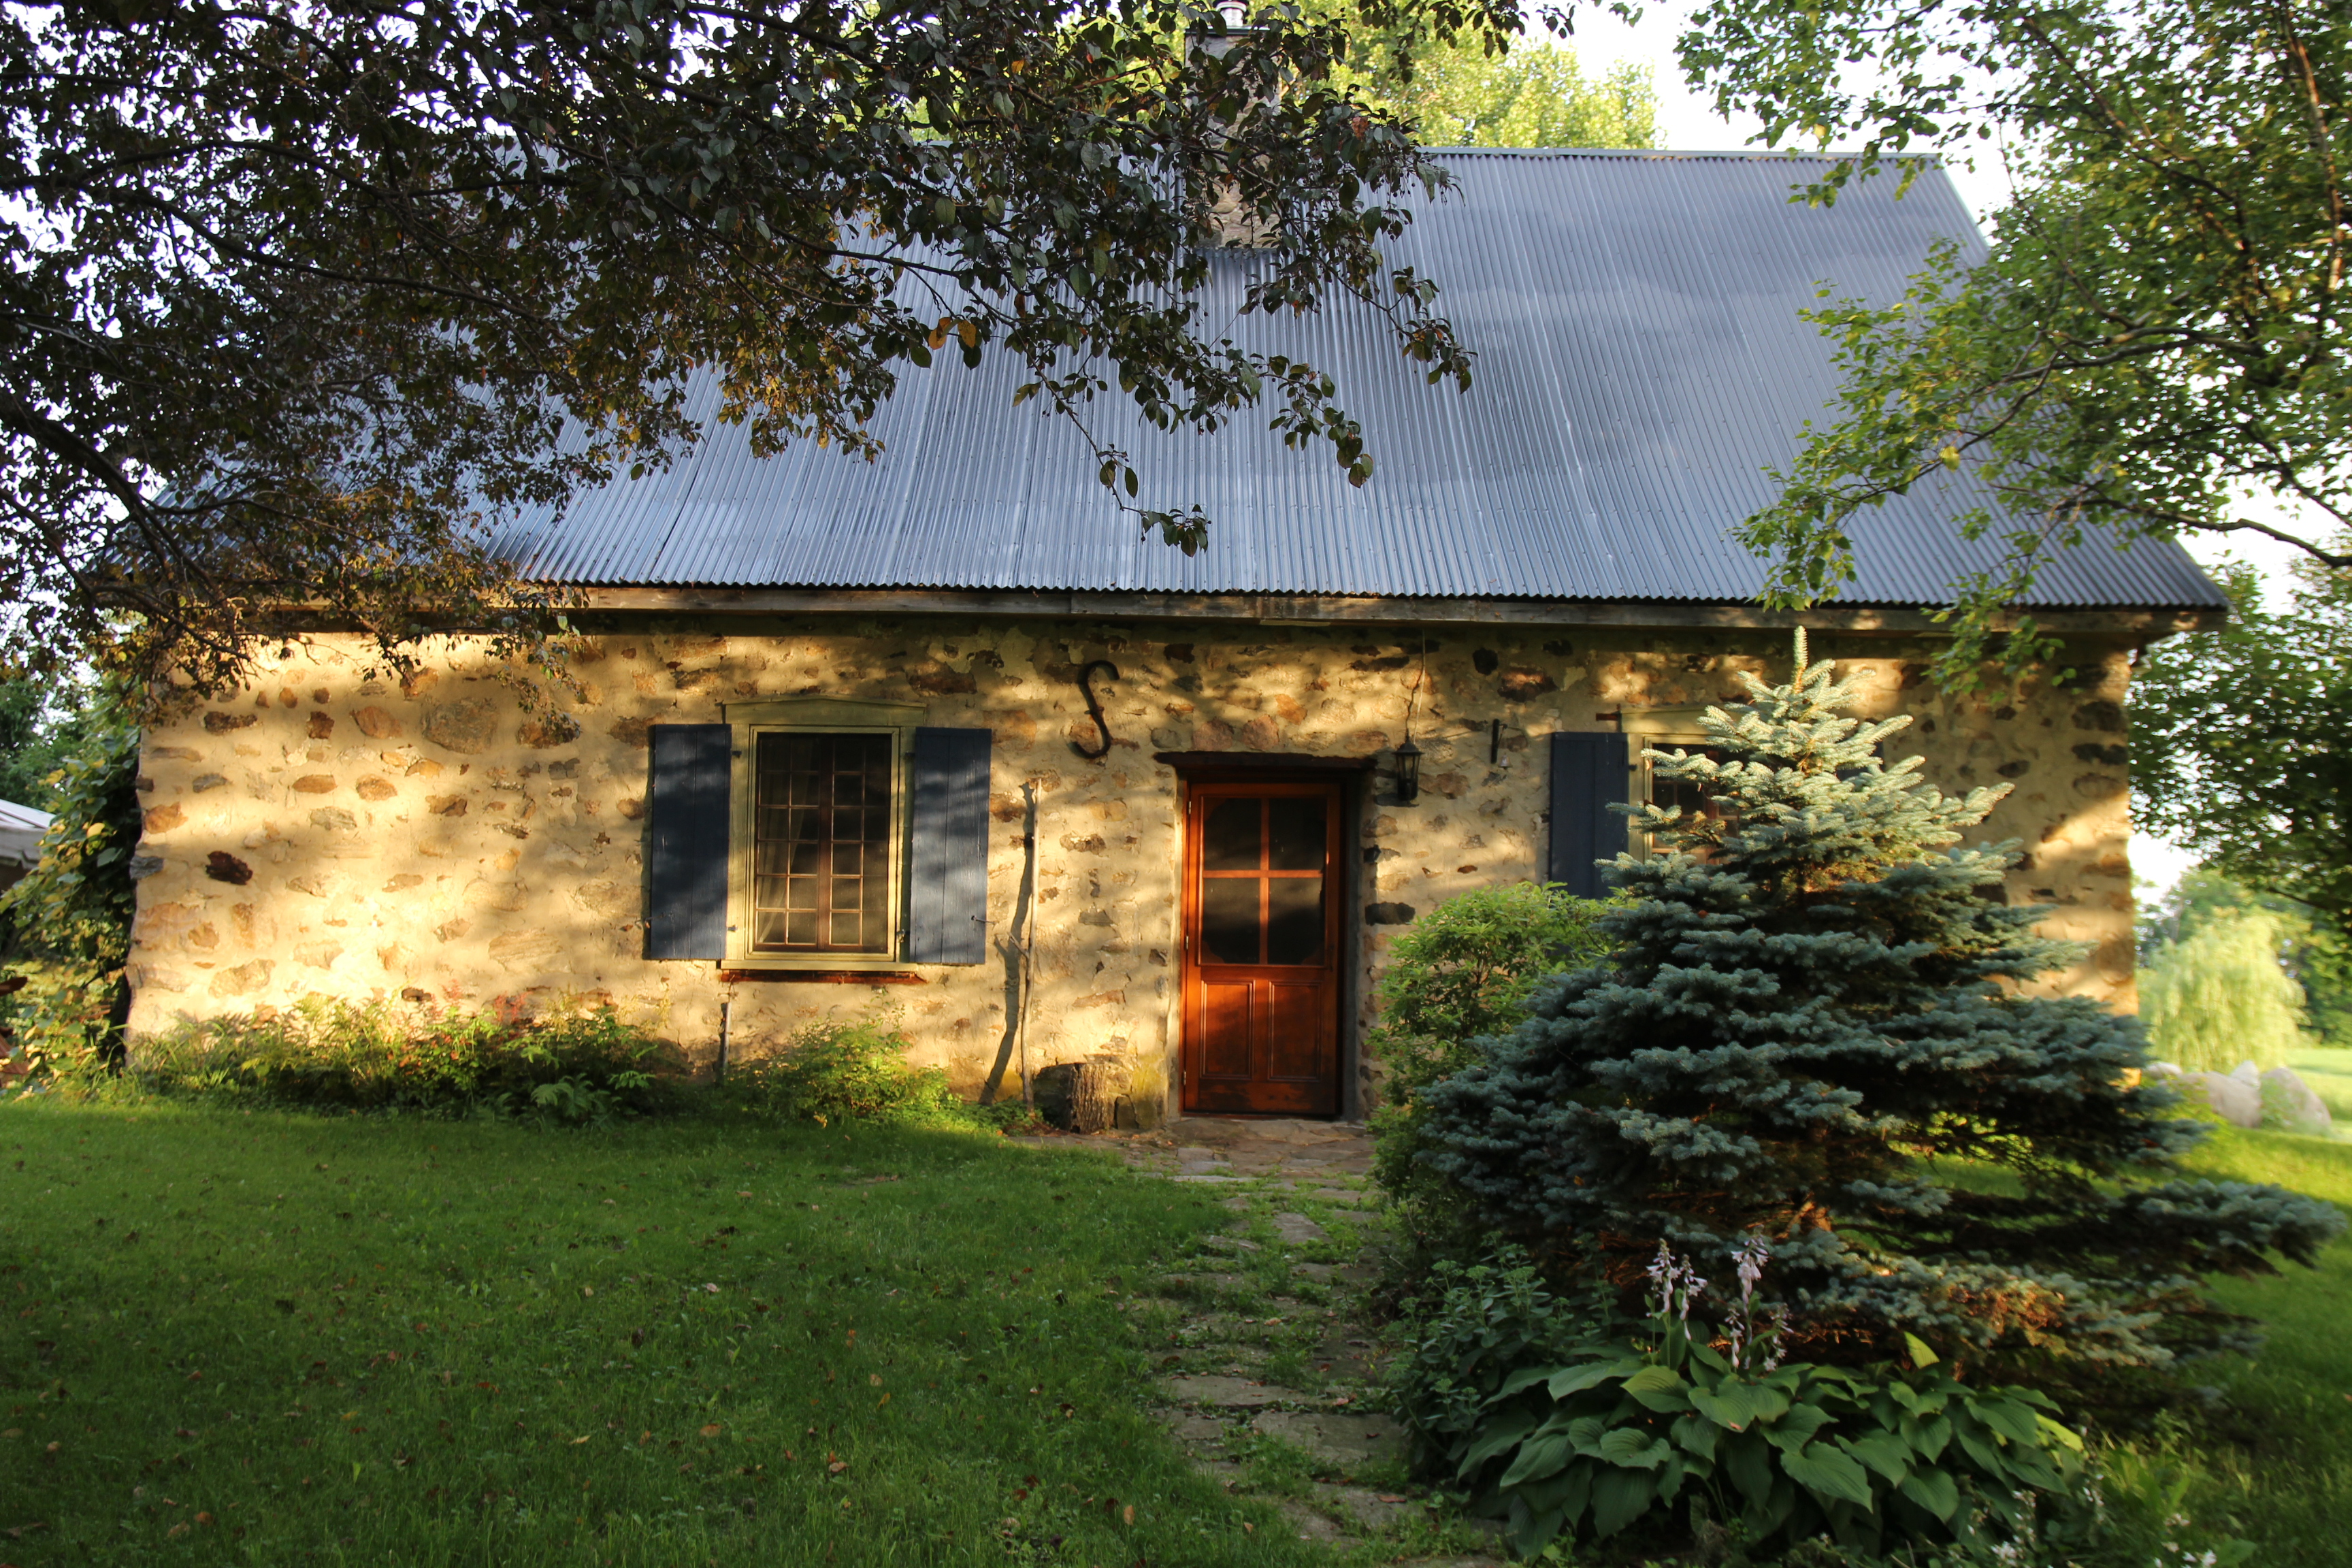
1271	1368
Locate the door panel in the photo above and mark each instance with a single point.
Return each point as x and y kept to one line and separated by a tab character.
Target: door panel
1300	1032
1262	943
1226	1034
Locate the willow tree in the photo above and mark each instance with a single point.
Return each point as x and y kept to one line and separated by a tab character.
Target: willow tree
2220	995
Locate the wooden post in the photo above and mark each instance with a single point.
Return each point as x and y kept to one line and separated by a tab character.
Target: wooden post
1095	1088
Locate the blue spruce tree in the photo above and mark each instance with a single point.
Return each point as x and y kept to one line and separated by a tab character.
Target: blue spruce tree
1811	1028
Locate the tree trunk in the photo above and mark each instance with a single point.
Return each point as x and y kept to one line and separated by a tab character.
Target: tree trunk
1094	1095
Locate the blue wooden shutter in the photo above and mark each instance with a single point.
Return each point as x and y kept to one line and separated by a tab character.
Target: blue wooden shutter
1588	775
947	865
686	826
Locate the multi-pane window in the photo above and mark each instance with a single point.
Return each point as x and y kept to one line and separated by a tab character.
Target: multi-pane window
1688	794
820	842
1262	869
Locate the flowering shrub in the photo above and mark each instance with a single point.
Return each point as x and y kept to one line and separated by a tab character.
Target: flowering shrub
1638	1419
575	1068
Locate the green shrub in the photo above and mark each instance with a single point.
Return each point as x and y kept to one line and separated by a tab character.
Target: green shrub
1460	975
573	1067
68	920
1579	1423
1467	968
852	1069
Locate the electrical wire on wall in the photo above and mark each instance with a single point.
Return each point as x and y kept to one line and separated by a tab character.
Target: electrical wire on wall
1413	698
1408	755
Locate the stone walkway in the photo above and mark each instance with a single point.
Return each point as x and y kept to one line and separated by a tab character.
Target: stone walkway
1273	1372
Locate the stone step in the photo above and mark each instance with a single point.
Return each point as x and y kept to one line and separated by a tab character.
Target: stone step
1231	1393
1338	1438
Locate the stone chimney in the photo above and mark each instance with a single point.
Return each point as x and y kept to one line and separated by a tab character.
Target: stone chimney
1232	224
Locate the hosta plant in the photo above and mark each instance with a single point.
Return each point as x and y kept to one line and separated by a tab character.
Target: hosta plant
1633	1430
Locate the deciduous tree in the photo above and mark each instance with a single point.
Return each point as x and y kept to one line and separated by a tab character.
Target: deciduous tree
2158	333
1496	90
2241	748
302	293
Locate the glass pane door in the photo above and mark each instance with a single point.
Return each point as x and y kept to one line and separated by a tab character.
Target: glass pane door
1263	879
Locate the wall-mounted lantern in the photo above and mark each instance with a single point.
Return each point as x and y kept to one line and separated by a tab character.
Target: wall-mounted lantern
1408	772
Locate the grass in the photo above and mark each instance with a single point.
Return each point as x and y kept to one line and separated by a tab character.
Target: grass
2285	1480
266	1339
284	1338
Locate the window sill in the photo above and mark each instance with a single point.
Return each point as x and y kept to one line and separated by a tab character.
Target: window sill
731	975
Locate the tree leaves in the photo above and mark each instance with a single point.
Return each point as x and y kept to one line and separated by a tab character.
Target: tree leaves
2154	336
2242	742
72	911
306	307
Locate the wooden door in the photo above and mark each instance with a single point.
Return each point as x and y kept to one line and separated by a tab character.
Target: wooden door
1262	947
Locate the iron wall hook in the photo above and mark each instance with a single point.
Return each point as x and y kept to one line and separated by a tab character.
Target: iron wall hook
1094	708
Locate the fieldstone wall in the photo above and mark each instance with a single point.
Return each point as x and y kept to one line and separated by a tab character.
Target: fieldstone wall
332	831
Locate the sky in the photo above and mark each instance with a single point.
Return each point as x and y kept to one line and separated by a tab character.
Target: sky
1690	123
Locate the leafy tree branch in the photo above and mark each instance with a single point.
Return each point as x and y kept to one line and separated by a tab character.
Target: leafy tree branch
309	295
2154	338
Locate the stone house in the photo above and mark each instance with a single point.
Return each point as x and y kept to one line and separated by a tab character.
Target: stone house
939	732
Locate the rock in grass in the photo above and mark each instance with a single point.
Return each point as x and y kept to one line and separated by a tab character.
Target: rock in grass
2232	1098
2288	1103
2237	1100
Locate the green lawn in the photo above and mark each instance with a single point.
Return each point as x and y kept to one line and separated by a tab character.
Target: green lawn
280	1339
264	1339
2287	1486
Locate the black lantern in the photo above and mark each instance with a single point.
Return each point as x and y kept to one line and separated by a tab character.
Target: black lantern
1408	772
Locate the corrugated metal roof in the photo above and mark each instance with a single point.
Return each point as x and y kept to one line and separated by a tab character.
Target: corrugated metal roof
1641	361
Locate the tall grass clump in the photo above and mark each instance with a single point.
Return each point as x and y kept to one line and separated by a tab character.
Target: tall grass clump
2220	995
574	1066
852	1069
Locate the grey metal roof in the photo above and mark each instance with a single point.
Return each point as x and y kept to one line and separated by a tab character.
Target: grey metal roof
1640	360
